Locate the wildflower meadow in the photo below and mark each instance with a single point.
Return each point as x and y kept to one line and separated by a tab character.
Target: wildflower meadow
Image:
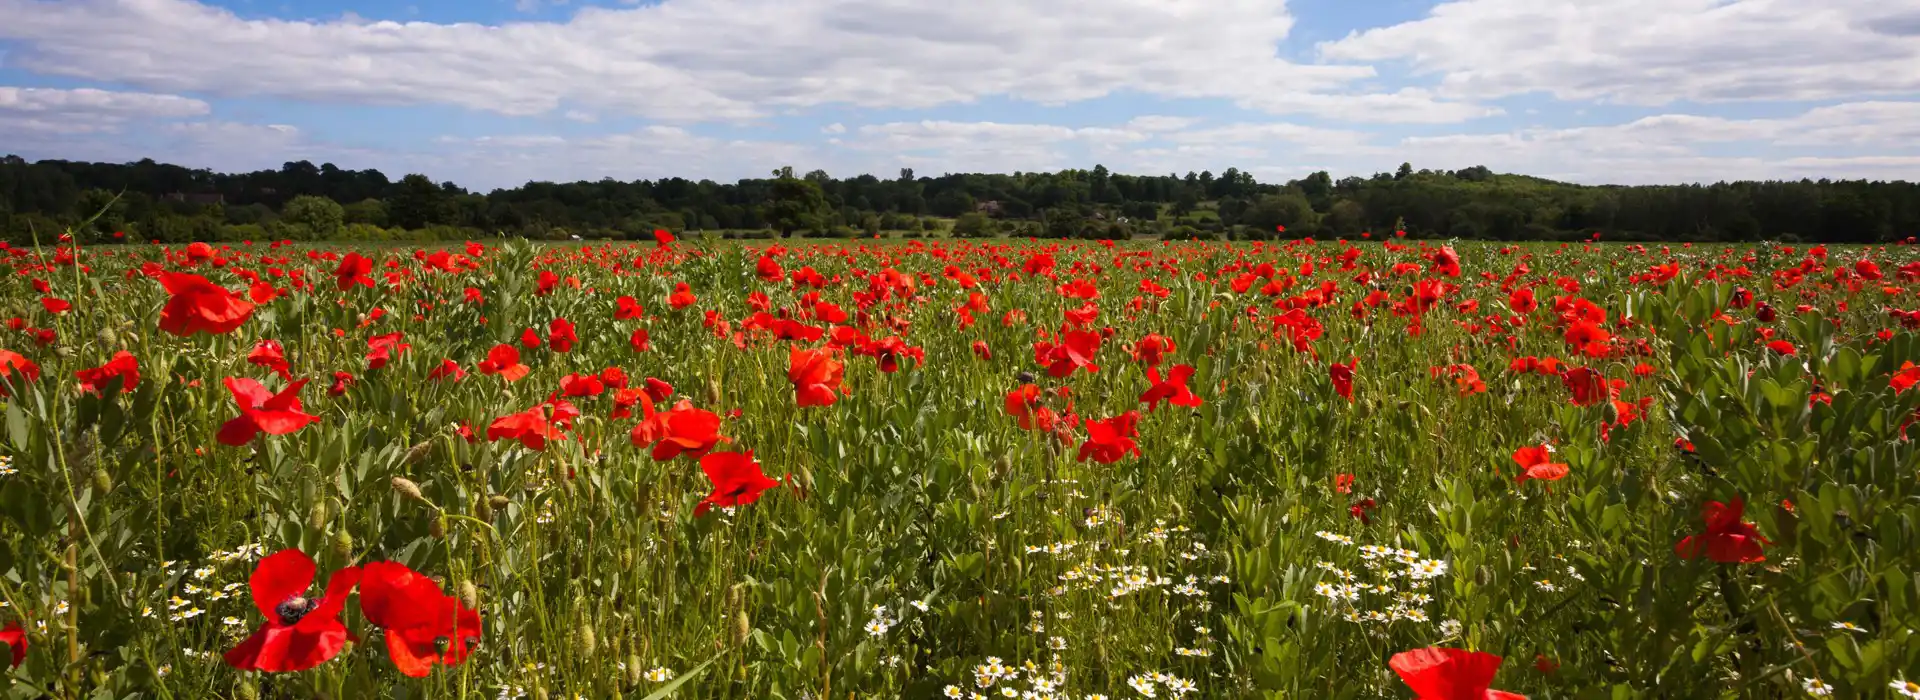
1002	468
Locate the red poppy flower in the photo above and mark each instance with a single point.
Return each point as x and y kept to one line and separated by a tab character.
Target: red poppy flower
263	412
55	305
582	385
980	350
530	340
301	632
1522	301
682	430
682	296
1534	465
815	376
1728	539
1589	387
1450	674
1110	440
1781	346
1901	381
1152	349
354	269
658	390
1024	405
269	354
662	237
627	307
615	377
195	305
503	360
1358	511
560	335
448	369
1343	483
341	380
383	348
123	365
15	371
639	341
737	480
423	625
1076	350
16	640
1589	338
535	426
1173	389
1342	376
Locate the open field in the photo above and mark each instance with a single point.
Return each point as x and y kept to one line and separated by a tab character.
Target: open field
961	469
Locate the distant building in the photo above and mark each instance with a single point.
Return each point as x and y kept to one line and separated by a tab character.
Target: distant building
990	207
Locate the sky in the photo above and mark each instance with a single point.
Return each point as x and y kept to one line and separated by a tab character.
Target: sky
494	93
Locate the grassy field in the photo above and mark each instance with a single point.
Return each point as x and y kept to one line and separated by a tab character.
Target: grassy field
922	469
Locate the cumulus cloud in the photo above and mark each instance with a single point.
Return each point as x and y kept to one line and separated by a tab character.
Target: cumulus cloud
695	60
1654	52
85	110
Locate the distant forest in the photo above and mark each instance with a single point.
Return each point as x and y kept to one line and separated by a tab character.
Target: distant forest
301	201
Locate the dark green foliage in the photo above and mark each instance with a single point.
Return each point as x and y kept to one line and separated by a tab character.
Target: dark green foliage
153	201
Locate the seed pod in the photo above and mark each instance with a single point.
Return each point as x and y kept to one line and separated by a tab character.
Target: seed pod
437	527
342	545
713	391
317	516
742	627
418	453
407	488
498	501
470	595
481	510
102	481
107	338
584	639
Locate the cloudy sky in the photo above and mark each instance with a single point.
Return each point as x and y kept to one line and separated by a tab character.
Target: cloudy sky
493	93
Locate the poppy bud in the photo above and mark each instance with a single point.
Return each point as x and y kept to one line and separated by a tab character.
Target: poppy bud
634	669
407	488
498	501
584	640
102	481
418	453
470	595
713	391
626	559
482	509
317	515
342	545
246	691
742	627
107	338
437	527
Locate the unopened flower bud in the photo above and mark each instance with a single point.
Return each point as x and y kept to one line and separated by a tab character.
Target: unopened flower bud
102	481
742	627
481	509
437	527
584	639
498	501
342	545
317	515
407	488
418	453
713	391
470	595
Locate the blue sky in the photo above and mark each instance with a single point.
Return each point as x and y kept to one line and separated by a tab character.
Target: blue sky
493	93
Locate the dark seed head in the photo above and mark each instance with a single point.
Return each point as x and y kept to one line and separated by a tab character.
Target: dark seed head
295	608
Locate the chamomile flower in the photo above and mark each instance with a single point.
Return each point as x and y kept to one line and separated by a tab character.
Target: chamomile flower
1905	688
1817	688
1849	627
659	674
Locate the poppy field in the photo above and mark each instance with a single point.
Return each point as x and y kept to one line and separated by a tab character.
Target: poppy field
1373	468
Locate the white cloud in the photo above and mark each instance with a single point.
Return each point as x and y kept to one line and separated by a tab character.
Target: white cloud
85	110
582	117
1858	140
686	60
1655	52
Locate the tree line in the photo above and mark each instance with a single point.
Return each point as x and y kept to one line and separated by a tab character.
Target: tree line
301	201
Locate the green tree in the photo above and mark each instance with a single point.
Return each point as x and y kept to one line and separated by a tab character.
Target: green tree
418	203
367	211
795	204
972	225
1273	210
319	217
